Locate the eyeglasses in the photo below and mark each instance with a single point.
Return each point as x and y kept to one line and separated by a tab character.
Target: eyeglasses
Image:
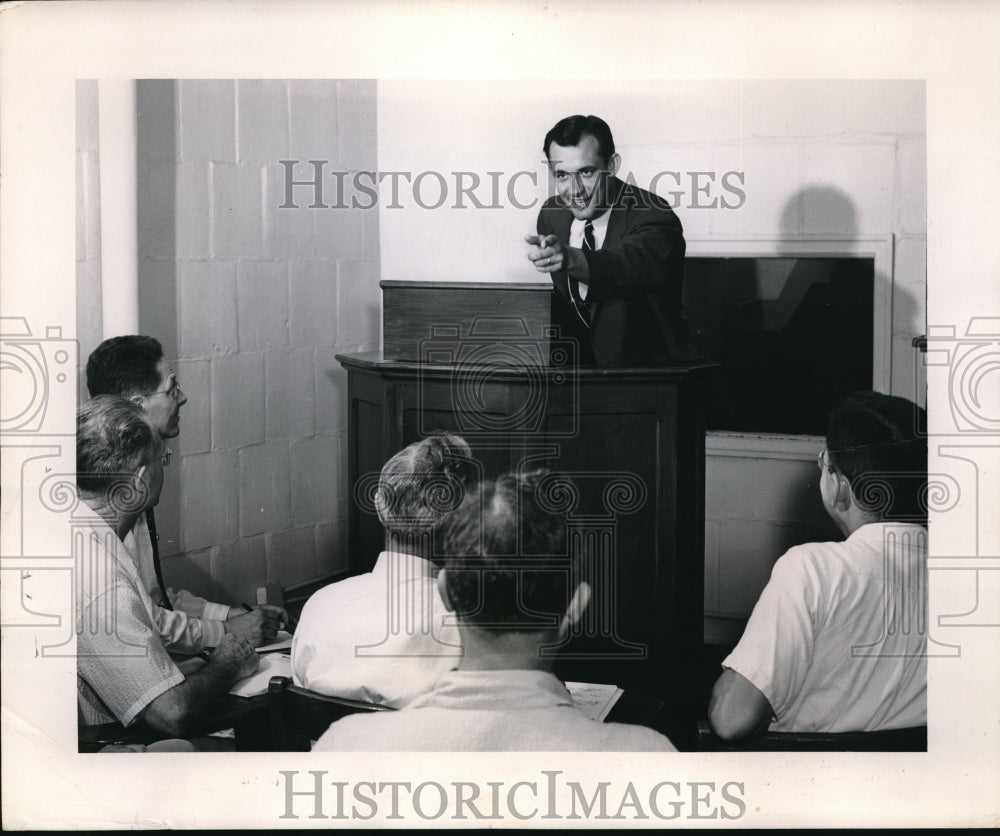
164	457
822	462
174	391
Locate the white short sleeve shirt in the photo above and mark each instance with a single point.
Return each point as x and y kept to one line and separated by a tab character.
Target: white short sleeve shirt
837	641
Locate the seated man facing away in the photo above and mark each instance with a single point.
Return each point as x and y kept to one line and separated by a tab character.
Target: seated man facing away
134	367
836	642
508	579
123	670
382	637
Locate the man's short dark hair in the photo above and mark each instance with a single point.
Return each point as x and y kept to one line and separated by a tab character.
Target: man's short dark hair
124	366
506	554
879	443
569	131
113	440
423	482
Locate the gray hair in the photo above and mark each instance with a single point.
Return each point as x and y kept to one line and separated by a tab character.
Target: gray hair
423	483
113	439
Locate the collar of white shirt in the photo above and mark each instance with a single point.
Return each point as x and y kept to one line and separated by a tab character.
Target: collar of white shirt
600	231
404	566
496	690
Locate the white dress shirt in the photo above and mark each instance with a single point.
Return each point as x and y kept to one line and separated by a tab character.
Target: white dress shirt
600	233
382	637
489	711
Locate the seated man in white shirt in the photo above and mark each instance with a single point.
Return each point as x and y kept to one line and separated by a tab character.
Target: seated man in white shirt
383	636
134	367
837	641
510	581
124	672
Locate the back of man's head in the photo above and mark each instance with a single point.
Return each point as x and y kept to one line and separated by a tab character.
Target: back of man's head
124	366
113	440
879	444
420	485
507	564
569	131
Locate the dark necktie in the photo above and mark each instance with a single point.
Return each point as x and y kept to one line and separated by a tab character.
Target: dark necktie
582	308
154	539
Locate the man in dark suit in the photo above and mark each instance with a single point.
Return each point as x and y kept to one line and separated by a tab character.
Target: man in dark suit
615	254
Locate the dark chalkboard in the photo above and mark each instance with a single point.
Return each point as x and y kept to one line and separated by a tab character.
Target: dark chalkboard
793	335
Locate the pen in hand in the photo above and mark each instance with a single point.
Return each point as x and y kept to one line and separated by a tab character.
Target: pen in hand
286	622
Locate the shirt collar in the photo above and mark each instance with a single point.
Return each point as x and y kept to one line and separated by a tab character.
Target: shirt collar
496	690
125	553
877	531
415	566
600	222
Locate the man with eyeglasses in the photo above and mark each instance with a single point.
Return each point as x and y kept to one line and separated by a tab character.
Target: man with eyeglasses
614	253
124	672
837	641
133	367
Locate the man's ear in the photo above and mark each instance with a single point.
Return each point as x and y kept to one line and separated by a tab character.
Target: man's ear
140	479
443	591
614	163
845	494
139	401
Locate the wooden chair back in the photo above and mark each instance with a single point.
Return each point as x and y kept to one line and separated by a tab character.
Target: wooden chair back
893	740
299	716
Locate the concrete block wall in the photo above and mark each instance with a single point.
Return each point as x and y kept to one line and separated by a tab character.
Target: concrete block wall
255	301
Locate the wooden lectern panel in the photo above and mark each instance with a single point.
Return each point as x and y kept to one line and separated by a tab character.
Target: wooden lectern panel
422	320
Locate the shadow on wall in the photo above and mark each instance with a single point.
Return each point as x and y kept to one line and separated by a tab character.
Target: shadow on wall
831	313
829	210
818	209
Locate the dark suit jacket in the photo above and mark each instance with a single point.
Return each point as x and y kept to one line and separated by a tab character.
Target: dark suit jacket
635	284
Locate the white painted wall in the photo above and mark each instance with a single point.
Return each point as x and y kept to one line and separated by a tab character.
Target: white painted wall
818	157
